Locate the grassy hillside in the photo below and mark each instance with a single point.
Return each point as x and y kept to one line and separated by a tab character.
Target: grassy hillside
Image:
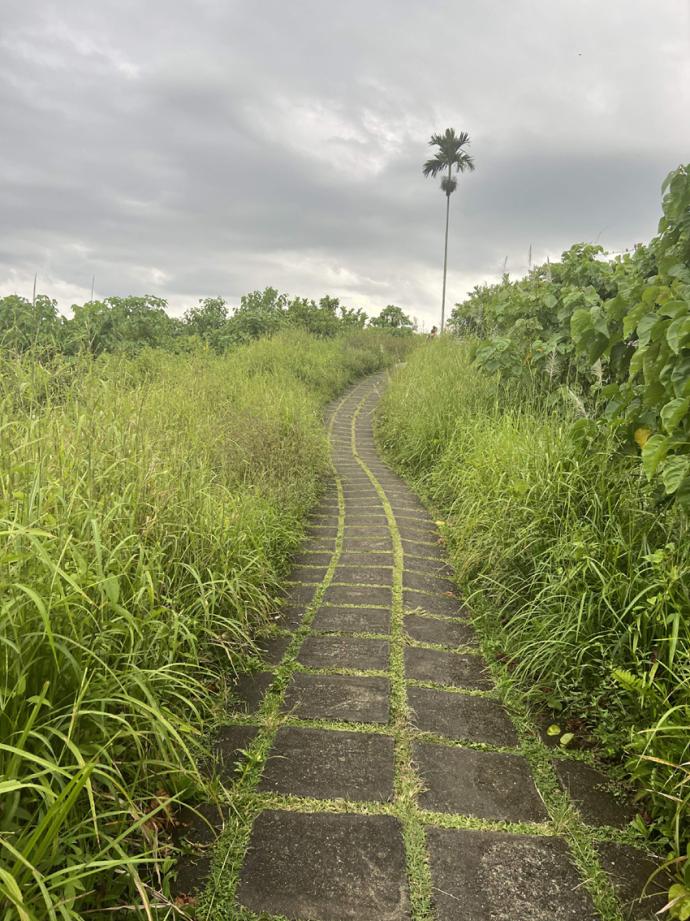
578	574
147	510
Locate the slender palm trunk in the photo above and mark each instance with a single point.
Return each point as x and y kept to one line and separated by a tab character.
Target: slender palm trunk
445	259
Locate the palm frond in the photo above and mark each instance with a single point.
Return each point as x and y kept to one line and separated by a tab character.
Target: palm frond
434	166
450	154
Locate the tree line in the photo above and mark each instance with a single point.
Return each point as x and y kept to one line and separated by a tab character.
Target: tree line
129	324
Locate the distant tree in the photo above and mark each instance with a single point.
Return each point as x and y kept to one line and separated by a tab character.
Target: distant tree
25	323
392	317
207	320
120	324
450	156
261	313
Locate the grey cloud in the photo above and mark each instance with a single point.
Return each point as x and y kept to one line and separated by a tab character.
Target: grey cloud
212	147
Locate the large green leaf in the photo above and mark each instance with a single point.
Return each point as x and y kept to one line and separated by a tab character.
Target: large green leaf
674	472
654	451
678	333
673	412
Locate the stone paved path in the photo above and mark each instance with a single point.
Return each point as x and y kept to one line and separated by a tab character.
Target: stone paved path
385	780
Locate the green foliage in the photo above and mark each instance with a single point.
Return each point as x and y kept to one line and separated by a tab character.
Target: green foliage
581	576
392	317
25	325
125	324
617	331
130	324
148	506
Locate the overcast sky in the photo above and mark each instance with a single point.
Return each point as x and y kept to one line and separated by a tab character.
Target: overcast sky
205	147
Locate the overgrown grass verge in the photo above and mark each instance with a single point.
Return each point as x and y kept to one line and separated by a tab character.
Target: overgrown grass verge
147	511
578	573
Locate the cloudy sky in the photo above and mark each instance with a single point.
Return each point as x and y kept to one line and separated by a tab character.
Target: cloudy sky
208	147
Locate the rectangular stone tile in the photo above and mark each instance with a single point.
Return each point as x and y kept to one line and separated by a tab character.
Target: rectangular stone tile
249	691
441	632
365	518
486	785
344	652
312	559
364	575
299	595
494	876
325	764
228	748
452	668
419	531
590	791
272	648
308	575
366	558
423	564
367	542
434	604
324	544
630	870
429	549
324	519
460	717
326	507
352	620
338	697
366	530
317	530
196	831
356	594
331	867
427	582
290	616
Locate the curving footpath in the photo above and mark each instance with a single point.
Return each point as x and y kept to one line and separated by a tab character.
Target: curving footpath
372	770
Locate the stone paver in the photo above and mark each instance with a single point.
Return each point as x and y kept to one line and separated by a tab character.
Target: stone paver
444	605
318	861
330	765
364	575
630	870
364	558
589	791
479	875
352	620
440	632
272	648
300	595
326	867
344	652
427	582
358	594
451	668
458	716
308	574
487	785
250	690
338	697
228	746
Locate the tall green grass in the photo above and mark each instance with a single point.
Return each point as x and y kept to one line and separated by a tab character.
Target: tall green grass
581	575
147	511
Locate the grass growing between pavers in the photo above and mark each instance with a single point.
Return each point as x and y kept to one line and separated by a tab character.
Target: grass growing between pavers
407	783
245	802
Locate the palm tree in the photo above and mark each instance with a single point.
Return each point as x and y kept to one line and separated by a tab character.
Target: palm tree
450	153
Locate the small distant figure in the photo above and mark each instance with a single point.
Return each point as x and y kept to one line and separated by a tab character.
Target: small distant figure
432	334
